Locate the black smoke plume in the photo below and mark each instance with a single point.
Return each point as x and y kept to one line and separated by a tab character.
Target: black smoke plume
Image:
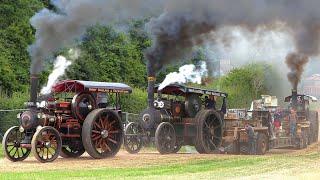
296	63
185	24
57	29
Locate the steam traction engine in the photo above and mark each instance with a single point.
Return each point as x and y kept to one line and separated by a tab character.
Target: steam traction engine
306	127
75	118
176	118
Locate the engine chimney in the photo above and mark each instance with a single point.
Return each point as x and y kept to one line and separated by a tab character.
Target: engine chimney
294	97
151	83
34	80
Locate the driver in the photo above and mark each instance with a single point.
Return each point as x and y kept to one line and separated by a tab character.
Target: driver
210	102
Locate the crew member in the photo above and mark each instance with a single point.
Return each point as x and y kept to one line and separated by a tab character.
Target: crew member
210	102
277	122
251	139
293	122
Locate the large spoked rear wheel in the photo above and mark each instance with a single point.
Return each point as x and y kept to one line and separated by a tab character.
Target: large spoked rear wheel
73	150
11	145
46	144
209	131
133	137
165	138
102	133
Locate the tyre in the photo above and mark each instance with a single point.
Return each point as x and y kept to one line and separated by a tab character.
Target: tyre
209	131
46	144
102	133
177	147
165	138
11	145
73	150
262	143
133	138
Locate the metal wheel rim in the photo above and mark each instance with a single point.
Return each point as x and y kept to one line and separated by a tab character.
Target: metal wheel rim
47	144
106	133
133	137
211	129
166	138
11	145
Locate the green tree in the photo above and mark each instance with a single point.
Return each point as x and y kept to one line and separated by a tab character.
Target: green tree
245	84
107	55
15	36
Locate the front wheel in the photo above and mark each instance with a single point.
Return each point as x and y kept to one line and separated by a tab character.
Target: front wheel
165	138
133	138
177	147
11	145
46	144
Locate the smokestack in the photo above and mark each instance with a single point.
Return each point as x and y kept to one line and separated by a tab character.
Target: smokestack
34	80
151	82
294	98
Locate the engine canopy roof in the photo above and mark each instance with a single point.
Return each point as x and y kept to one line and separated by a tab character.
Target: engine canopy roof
182	90
91	86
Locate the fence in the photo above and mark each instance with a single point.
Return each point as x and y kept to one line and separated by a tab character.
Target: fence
8	118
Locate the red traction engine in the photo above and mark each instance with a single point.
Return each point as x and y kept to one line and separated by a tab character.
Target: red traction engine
77	116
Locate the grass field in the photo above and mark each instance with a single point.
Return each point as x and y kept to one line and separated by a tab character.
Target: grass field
302	164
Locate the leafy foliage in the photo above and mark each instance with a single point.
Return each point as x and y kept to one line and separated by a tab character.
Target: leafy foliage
107	55
15	36
245	84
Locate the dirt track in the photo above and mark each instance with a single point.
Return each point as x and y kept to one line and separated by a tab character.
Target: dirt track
124	159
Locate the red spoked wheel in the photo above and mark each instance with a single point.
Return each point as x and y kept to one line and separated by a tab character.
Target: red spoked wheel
102	133
11	145
46	144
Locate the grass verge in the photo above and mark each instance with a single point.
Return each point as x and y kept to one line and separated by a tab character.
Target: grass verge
238	166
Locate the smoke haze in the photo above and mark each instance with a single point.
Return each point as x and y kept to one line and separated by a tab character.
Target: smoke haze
55	30
184	25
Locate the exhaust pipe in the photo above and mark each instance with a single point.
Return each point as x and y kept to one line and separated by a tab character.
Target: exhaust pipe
34	80
151	83
294	98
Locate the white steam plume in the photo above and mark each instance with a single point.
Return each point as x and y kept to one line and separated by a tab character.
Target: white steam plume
60	65
187	73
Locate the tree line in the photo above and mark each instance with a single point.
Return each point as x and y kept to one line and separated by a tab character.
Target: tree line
105	55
